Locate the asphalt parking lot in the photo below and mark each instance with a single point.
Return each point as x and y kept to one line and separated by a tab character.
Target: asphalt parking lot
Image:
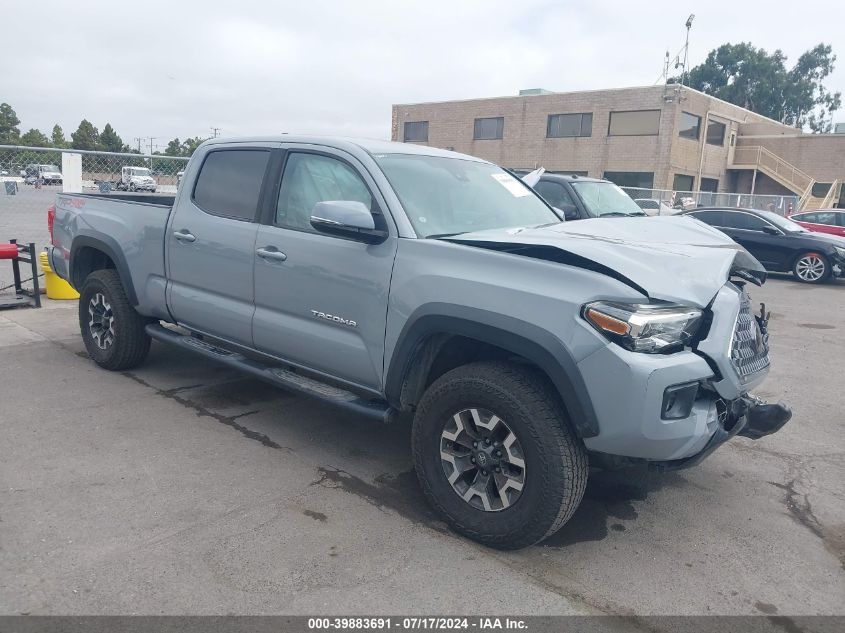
181	487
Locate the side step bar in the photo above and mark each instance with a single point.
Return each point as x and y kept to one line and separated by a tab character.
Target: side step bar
277	375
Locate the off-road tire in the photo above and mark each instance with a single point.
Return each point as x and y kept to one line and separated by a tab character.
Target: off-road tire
811	261
131	342
555	459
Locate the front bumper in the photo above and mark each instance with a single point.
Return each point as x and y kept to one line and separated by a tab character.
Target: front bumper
748	417
628	391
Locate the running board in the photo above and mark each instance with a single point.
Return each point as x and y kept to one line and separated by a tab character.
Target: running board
274	374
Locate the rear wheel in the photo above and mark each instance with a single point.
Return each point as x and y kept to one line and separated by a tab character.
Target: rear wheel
113	332
811	268
495	454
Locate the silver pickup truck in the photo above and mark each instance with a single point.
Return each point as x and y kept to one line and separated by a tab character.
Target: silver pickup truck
399	281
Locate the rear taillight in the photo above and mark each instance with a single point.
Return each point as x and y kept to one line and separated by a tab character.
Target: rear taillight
51	218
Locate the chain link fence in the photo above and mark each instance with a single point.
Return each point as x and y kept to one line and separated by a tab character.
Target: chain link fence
667	202
30	178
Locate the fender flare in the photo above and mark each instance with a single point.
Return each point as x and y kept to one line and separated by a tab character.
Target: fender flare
513	335
109	246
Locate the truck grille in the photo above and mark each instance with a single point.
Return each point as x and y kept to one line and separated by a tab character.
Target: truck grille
750	345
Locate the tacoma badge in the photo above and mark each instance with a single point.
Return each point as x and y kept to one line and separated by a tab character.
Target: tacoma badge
335	319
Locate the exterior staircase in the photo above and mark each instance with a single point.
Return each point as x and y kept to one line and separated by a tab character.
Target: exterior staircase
787	174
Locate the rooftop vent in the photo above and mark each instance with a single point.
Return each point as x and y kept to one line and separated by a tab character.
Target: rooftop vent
528	92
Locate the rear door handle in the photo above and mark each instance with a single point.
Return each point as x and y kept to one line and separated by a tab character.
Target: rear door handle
184	236
271	253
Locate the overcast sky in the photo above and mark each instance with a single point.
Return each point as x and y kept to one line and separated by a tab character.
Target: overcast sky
177	68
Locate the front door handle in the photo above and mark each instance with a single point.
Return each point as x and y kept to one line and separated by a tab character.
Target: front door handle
184	236
271	253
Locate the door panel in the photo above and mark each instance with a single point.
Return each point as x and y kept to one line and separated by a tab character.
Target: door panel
211	245
323	305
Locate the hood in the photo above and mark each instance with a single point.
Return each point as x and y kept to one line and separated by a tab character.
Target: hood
669	258
823	238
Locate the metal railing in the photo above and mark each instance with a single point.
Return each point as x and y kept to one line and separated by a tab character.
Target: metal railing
773	166
667	202
832	196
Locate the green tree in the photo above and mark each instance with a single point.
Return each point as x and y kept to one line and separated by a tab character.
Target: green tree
754	79
58	137
110	141
86	136
174	148
35	138
190	145
9	131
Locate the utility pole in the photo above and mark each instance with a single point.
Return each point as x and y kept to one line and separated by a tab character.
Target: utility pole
139	139
215	131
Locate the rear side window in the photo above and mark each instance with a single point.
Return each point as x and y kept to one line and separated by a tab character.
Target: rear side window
806	217
229	183
713	218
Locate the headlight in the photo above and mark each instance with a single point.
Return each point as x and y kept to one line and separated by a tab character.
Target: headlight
648	328
840	251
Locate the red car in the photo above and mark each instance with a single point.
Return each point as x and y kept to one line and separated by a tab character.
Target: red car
830	221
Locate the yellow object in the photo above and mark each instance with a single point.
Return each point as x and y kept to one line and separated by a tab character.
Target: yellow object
57	288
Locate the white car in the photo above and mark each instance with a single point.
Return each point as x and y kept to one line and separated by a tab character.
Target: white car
136	179
47	174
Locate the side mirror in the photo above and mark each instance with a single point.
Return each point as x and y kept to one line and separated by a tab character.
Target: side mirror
770	230
346	218
569	212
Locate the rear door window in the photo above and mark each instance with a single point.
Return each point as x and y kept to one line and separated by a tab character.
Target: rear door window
229	183
713	218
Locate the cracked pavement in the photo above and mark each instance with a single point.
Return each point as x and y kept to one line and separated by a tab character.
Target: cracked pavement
183	487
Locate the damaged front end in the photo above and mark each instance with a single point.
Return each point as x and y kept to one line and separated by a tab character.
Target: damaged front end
683	360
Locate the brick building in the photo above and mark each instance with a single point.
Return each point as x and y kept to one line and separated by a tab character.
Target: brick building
661	137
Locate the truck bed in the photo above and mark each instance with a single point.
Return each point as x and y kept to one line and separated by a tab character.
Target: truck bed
128	227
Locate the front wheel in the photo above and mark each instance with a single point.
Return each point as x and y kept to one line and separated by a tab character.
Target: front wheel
811	268
113	332
496	456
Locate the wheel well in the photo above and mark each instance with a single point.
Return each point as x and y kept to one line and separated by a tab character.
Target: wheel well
85	261
441	353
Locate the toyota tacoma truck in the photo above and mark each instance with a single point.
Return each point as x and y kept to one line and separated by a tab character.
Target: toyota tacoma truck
406	282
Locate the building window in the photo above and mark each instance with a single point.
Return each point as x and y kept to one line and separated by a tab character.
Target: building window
683	182
489	129
710	184
416	131
566	125
715	133
690	126
634	123
637	179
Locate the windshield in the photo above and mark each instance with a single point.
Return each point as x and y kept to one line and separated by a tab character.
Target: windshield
448	196
605	198
782	223
139	171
